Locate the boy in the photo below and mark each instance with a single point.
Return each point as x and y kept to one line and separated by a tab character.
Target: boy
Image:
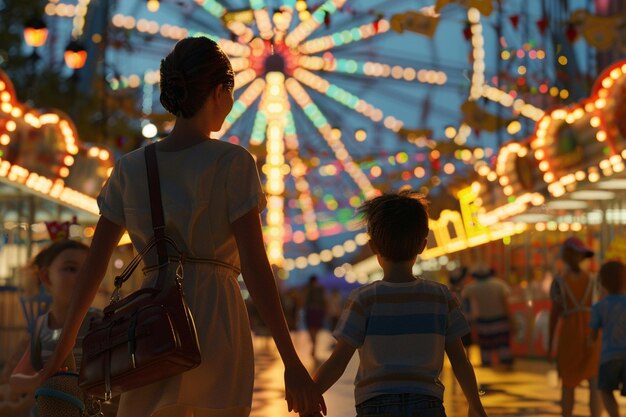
401	325
609	314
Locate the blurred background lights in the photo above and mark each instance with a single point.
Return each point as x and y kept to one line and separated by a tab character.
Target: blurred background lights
149	131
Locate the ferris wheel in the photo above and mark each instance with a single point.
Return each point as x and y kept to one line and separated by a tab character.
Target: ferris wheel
338	100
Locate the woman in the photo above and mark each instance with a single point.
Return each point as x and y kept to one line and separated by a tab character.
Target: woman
211	199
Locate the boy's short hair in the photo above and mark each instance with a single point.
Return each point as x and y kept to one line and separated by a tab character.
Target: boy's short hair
397	224
612	275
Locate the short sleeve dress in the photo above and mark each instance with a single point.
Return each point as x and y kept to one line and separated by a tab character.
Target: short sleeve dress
205	188
576	358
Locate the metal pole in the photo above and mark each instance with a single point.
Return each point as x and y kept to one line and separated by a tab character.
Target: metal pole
603	232
29	227
529	258
19	210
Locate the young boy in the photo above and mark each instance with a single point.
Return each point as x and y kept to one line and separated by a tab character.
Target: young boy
609	314
401	325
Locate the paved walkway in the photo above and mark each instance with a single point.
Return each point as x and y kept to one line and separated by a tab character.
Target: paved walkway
531	389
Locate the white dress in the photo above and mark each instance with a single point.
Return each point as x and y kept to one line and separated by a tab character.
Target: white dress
204	189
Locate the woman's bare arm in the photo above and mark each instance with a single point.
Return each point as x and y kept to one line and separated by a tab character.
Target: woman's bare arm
105	239
302	394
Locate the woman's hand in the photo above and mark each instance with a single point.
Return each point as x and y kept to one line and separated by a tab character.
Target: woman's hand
302	394
25	384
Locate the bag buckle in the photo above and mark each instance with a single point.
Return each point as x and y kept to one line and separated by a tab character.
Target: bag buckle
180	271
115	296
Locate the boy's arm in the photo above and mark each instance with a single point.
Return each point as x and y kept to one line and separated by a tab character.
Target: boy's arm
334	367
465	375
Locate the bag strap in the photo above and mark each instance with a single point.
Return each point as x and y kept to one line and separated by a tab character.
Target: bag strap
159	239
156	210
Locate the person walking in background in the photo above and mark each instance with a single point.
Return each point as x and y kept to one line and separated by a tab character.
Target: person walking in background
458	281
291	306
212	197
402	325
314	310
488	296
334	304
572	294
609	315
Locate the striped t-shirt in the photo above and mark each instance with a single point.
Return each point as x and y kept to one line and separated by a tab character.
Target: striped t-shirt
400	330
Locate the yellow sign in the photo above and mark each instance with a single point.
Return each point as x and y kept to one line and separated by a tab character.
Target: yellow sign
455	231
469	211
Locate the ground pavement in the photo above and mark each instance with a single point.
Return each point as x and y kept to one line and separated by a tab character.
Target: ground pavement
530	389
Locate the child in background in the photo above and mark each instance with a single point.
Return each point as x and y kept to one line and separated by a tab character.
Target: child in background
401	325
572	295
56	266
609	314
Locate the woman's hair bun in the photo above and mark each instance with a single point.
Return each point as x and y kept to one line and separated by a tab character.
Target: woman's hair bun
173	89
190	72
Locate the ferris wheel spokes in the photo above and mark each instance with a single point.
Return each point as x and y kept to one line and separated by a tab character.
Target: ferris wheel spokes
333	140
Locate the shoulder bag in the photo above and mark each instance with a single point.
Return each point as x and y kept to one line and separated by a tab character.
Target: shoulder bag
150	334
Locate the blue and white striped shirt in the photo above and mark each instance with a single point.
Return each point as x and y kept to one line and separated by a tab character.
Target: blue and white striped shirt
400	330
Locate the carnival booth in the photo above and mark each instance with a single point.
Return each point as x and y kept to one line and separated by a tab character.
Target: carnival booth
566	179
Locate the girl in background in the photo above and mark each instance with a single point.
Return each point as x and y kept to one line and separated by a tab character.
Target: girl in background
572	295
56	267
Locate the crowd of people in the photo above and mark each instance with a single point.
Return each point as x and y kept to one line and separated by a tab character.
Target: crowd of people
582	308
402	325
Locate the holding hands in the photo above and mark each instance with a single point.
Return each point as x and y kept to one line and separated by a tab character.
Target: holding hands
302	393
